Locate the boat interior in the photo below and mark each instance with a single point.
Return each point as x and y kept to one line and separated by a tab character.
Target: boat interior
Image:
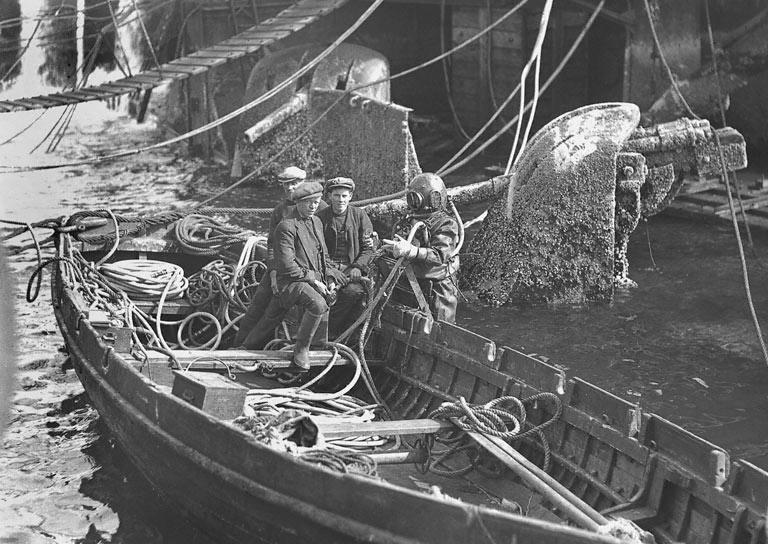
432	407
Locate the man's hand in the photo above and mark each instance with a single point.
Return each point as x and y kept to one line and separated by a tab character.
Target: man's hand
400	247
354	273
273	282
338	277
320	286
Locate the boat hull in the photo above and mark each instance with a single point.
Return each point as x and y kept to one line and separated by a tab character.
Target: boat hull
237	490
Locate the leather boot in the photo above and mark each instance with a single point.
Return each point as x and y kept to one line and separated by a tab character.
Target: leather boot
307	328
264	330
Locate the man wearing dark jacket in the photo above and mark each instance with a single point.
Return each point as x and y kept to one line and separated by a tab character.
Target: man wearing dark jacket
290	179
303	275
433	251
347	232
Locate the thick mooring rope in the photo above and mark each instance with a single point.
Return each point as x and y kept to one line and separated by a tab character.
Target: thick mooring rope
492	419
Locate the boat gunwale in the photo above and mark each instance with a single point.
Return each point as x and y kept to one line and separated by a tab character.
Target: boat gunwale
102	376
727	499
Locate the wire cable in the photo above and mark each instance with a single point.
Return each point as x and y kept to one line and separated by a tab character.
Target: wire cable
535	58
447	168
724	172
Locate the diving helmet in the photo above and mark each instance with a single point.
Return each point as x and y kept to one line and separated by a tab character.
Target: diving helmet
426	193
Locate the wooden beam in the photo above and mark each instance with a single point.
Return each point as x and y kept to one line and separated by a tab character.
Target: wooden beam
384	428
273	358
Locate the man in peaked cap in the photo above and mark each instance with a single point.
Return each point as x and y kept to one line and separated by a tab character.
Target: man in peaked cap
303	275
347	230
290	179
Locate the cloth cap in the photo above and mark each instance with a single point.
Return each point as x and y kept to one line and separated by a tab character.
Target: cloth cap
307	190
292	173
335	183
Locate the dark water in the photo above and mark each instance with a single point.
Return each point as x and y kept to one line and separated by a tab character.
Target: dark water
681	344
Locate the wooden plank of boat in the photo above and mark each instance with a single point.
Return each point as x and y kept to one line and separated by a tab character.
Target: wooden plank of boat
568	503
384	428
273	358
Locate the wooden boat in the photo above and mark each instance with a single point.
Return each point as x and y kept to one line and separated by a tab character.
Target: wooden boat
608	459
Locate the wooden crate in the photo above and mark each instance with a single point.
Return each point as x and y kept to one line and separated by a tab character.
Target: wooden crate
211	392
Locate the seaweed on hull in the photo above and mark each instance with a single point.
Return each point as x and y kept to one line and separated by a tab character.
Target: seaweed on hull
577	193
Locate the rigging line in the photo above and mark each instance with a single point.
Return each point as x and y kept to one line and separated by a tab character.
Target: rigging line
445	170
489	66
721	108
535	57
221	120
448	91
124	13
26	128
60	126
732	209
347	93
147	38
23	50
271	93
664	63
26	46
119	41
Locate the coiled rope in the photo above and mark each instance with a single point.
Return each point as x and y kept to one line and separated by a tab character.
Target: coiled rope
146	279
201	235
492	419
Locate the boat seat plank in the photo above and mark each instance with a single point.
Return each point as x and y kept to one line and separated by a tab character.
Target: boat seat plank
272	358
384	428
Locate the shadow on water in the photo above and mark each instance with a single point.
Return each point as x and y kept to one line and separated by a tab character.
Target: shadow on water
119	485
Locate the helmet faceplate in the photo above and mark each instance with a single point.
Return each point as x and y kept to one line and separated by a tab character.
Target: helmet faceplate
426	192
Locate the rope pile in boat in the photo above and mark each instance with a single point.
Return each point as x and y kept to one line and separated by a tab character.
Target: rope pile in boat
146	279
493	418
201	235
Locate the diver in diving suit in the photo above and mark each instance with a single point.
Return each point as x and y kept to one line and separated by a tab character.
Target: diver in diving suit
432	254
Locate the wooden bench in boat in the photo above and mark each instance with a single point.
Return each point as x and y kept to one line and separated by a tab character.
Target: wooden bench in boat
158	367
384	428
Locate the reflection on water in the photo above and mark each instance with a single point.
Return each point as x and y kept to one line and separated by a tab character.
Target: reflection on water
10	41
58	40
97	17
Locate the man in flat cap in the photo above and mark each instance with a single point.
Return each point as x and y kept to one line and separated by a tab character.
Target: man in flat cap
347	232
290	179
304	277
